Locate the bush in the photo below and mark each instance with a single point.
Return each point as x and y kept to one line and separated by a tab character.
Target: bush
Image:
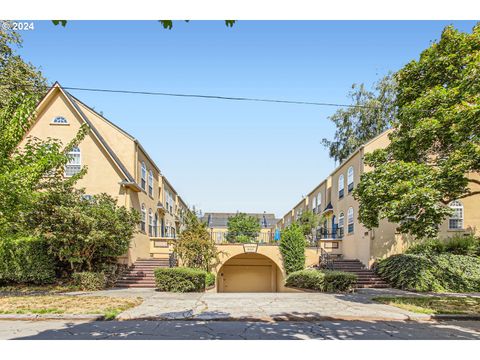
26	260
292	247
89	281
339	281
325	280
437	272
180	279
209	279
458	245
306	279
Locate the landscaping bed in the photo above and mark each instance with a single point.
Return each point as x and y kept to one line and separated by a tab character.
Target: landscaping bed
64	304
465	305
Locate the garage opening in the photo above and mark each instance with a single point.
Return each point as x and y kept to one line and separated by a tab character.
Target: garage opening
249	273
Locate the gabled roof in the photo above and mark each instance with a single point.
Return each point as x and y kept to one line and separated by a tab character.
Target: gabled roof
129	179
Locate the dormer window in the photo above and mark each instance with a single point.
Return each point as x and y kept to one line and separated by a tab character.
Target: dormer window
59	120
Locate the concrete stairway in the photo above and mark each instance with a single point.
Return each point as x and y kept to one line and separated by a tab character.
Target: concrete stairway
366	278
140	274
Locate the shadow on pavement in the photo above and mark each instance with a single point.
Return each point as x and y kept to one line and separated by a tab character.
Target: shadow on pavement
230	330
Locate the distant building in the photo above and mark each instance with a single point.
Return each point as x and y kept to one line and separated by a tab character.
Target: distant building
217	224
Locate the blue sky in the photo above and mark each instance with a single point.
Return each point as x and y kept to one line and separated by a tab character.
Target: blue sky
224	155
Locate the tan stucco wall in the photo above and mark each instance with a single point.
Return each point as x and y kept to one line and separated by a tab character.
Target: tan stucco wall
272	253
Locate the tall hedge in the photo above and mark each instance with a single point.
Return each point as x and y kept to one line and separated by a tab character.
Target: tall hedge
26	260
438	272
292	248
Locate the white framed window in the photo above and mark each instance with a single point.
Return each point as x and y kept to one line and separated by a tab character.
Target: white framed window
150	183
74	164
150	222
143	222
143	176
350	220
319	201
350	179
341	219
314	204
59	120
455	222
341	186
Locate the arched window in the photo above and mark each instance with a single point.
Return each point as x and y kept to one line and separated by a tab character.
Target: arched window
150	183
150	222
144	218
59	120
350	179
341	220
74	164
341	186
143	179
455	222
350	220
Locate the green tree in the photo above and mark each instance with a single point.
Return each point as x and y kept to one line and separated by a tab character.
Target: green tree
243	228
83	232
16	75
195	248
372	112
26	172
292	248
167	24
308	222
436	141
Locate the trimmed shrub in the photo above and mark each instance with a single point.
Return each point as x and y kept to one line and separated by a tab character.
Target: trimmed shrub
90	281
180	279
26	260
458	245
336	281
439	273
292	248
306	279
324	280
209	279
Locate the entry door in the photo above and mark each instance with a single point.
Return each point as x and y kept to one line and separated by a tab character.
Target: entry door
247	278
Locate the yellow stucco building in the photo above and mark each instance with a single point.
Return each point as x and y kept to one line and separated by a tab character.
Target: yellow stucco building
117	165
340	232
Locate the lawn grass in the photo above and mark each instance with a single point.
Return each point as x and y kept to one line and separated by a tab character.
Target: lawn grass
110	307
24	289
434	304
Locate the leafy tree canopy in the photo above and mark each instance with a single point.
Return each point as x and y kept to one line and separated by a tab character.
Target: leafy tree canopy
167	24
16	75
243	228
83	232
308	222
372	112
195	247
436	141
292	248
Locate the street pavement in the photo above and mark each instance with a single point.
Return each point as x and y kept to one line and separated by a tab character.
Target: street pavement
241	330
300	306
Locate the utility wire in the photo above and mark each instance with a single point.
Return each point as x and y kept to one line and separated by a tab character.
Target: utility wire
212	97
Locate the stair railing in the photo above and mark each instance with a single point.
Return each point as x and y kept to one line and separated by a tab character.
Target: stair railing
326	261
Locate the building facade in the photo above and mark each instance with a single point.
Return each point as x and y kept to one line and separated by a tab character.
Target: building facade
118	165
341	234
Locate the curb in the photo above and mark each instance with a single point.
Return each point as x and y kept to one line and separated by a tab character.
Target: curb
455	317
39	317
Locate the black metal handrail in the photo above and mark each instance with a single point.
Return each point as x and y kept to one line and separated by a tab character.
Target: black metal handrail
326	261
329	234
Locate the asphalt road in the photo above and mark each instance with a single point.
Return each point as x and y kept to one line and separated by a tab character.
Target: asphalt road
209	330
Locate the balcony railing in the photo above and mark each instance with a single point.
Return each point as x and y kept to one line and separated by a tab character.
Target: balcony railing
329	234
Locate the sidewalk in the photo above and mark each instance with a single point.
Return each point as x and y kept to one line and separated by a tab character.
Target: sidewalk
260	306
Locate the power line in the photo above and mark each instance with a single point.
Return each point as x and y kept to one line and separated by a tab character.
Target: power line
201	96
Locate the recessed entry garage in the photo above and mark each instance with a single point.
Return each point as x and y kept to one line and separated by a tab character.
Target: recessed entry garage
248	273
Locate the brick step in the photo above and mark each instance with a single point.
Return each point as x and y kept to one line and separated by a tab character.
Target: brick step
375	286
136	286
127	282
136	277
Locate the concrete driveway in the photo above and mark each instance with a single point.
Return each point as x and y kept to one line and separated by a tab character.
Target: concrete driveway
259	306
